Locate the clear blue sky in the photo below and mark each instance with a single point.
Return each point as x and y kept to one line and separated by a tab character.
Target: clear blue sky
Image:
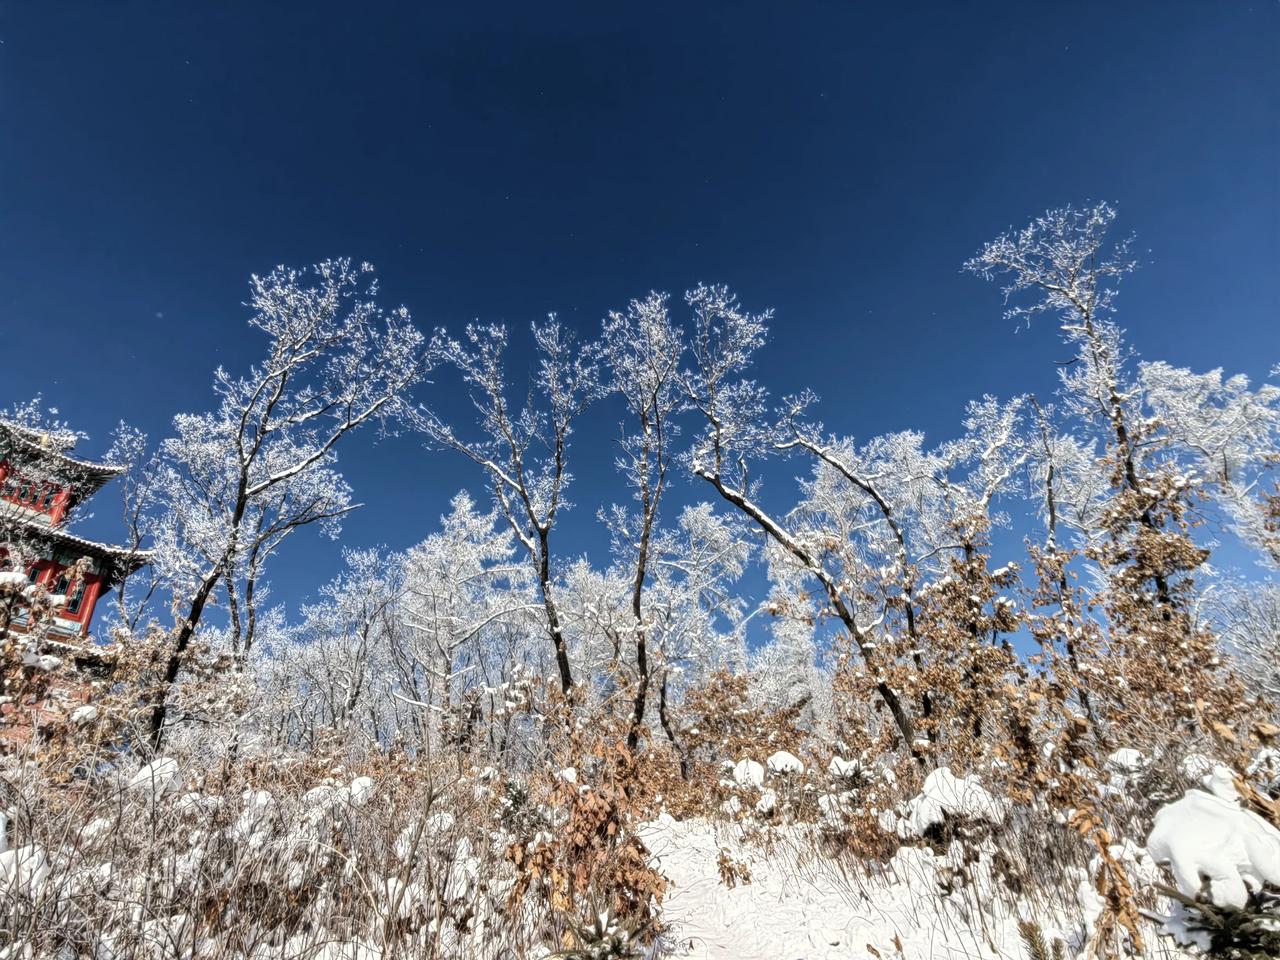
835	161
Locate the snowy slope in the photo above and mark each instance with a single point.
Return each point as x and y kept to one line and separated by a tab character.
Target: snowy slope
807	913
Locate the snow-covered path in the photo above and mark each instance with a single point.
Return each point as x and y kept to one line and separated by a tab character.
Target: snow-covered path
791	913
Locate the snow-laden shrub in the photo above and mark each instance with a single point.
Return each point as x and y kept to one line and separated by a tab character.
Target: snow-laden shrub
267	858
586	868
748	773
784	762
1216	849
945	797
1225	862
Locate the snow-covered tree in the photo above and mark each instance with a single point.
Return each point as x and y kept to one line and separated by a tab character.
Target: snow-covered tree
695	612
1160	431
235	482
524	450
465	589
1227	433
888	516
1062	264
130	449
692	616
642	348
1246	616
724	339
784	671
353	628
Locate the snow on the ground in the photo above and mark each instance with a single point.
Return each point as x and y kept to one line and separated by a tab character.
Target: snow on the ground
809	912
1127	760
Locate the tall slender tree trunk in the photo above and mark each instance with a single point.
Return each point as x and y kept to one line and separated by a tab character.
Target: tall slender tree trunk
173	665
664	717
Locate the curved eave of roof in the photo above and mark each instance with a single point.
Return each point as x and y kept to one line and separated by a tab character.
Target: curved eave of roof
125	559
32	440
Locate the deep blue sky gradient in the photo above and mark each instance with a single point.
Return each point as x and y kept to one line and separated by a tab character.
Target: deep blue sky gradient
835	161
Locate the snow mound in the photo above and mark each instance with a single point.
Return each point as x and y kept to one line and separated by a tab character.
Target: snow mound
748	773
835	807
159	777
783	762
361	790
23	872
1222	783
1127	760
1207	839
842	768
944	795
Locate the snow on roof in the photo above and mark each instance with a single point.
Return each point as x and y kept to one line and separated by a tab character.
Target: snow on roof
134	558
38	442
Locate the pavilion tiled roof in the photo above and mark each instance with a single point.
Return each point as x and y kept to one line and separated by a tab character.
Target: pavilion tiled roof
124	559
36	442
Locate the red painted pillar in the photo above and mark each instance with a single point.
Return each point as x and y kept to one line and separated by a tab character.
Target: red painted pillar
60	502
92	586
